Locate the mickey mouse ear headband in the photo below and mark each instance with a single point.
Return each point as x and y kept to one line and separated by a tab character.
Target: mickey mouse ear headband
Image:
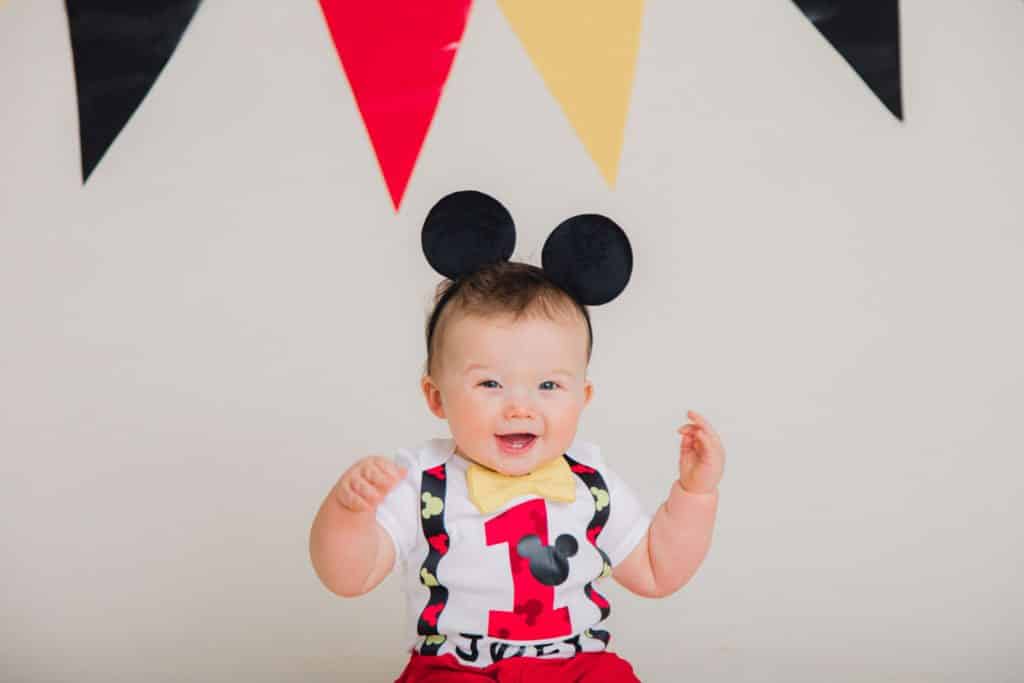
587	255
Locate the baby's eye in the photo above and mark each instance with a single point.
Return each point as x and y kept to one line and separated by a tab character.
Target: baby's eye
548	382
488	382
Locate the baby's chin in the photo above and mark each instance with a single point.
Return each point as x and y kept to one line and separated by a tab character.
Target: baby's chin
515	467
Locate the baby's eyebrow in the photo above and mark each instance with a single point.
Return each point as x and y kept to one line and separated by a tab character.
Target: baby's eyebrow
479	366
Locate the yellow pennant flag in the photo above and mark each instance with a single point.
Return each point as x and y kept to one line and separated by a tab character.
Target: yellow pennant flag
586	52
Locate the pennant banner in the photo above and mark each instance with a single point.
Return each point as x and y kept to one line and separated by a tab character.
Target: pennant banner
867	34
119	50
397	55
586	54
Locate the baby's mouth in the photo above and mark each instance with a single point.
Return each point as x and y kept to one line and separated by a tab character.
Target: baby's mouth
516	443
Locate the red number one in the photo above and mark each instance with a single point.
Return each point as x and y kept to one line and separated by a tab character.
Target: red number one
533	615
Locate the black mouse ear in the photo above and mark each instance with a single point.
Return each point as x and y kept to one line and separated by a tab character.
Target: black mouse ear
529	545
589	256
466	230
566	545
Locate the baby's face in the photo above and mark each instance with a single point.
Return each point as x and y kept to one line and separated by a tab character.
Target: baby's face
500	377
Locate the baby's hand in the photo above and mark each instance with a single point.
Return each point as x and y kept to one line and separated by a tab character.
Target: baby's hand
364	485
701	456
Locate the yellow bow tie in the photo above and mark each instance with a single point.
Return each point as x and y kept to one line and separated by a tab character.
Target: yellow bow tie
489	490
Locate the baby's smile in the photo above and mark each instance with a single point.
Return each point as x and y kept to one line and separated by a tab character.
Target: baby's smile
515	444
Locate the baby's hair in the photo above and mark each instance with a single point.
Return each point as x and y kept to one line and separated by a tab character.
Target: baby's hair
504	288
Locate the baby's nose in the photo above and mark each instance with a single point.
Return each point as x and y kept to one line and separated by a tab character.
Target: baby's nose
518	408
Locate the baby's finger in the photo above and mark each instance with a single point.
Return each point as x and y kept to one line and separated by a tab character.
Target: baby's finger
696	417
367	491
388	467
699	419
388	478
711	449
689	436
350	499
378	476
393	471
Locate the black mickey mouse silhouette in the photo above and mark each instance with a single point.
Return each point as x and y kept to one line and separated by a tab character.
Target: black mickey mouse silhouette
588	255
549	565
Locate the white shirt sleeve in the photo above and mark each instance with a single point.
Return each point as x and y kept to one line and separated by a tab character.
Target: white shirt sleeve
399	512
628	521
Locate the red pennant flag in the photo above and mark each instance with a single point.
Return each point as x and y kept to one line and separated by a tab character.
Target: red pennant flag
396	55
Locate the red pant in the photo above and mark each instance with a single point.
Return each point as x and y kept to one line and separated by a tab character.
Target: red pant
586	667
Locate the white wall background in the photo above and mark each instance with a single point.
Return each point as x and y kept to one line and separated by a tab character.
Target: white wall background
195	345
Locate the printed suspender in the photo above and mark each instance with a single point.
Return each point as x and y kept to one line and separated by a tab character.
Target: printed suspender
595	483
432	495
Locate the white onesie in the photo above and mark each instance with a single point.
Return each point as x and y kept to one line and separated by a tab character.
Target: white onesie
516	582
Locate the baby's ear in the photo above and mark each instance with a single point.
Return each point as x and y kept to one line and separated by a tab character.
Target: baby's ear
588	392
433	396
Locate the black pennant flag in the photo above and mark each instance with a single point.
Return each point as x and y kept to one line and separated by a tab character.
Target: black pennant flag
867	34
120	47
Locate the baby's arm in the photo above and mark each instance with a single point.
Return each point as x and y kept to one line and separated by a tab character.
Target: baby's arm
351	552
674	546
680	534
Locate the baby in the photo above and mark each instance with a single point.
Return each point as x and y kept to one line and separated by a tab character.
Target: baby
502	531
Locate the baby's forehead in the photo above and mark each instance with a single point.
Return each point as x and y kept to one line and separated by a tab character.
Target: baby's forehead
544	336
469	323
